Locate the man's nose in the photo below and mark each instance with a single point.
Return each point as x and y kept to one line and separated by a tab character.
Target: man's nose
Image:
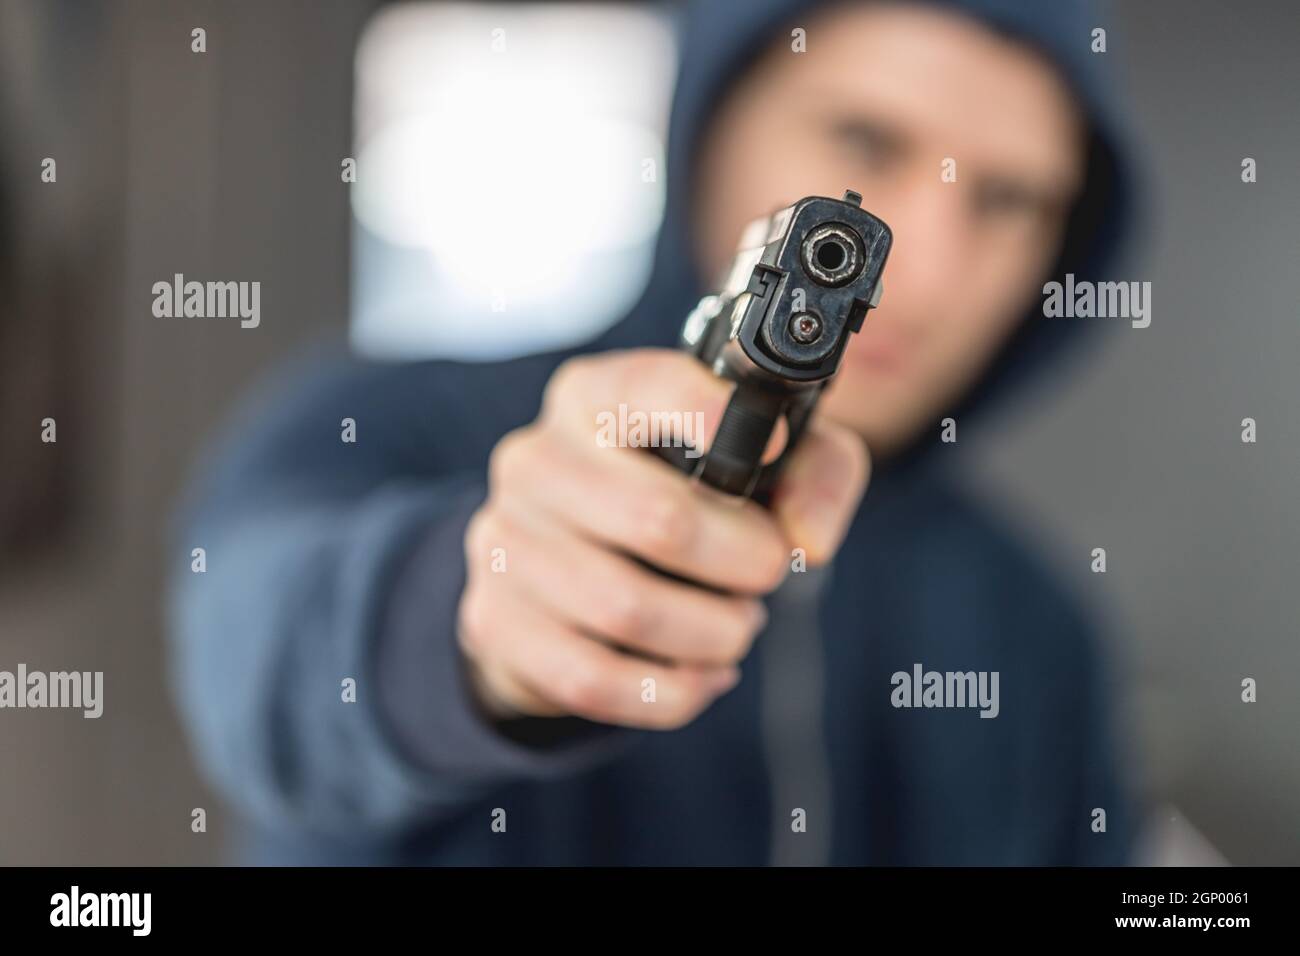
932	252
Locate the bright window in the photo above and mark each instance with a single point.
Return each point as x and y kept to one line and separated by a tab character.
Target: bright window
509	174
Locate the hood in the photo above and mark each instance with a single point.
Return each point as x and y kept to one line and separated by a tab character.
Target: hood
719	38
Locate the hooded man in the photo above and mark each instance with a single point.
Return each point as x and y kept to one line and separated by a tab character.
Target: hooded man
438	645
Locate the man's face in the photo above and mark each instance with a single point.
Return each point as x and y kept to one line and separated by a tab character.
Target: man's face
882	97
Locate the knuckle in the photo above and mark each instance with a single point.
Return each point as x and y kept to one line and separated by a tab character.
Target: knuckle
475	623
682	708
773	568
486	532
767	567
742	625
665	523
639	365
584	690
622	612
570	378
508	458
478	532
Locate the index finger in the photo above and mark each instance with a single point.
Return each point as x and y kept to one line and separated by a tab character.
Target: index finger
644	398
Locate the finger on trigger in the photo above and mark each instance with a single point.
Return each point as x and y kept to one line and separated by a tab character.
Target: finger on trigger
818	492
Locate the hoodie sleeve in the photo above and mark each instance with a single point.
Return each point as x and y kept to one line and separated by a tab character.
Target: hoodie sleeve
316	657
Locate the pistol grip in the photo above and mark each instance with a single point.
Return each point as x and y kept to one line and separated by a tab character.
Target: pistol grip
734	462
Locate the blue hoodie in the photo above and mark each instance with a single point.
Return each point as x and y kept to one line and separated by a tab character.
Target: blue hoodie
328	561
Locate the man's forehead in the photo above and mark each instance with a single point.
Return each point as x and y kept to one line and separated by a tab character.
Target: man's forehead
946	80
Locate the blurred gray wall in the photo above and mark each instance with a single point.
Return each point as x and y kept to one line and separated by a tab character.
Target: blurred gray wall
226	164
1141	453
222	165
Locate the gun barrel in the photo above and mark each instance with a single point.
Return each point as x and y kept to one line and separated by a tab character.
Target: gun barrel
801	282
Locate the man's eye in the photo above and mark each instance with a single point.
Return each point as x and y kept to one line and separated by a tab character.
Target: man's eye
1008	200
867	142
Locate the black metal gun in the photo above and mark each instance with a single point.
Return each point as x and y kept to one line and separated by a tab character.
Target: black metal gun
802	280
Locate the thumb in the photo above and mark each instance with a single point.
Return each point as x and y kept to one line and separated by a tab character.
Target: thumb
820	487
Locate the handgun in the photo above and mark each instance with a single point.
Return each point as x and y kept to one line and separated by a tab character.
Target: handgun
802	280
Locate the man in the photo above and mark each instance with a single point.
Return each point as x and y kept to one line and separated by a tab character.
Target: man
468	570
